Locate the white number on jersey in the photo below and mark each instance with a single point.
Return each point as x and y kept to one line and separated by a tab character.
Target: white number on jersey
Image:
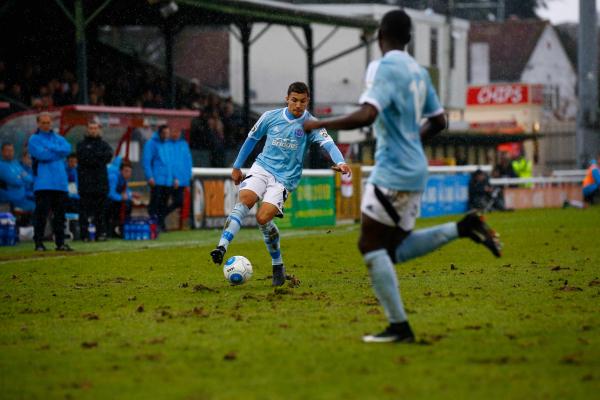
418	90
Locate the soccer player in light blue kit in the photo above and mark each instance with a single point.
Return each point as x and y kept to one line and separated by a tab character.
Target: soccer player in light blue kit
399	94
275	173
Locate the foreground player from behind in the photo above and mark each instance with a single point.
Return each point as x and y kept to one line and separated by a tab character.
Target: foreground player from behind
399	93
275	173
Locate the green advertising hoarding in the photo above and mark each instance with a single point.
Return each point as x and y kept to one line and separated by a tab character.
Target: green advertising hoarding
311	204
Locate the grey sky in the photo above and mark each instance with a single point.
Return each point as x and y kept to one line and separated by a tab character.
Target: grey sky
559	11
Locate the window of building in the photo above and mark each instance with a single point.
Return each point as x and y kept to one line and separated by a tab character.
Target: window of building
433	47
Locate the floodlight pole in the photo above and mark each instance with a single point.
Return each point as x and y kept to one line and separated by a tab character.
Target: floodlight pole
587	136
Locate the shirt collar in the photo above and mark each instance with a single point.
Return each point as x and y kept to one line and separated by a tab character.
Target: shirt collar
289	117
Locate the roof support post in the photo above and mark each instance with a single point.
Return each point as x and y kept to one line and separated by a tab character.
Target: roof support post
310	65
246	32
169	36
80	46
314	156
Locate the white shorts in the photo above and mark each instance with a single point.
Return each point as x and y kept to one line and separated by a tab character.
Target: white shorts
402	207
265	186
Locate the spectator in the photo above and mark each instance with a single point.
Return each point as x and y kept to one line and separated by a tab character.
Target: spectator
16	181
523	168
93	153
119	196
217	137
591	183
461	157
48	151
26	163
158	168
72	177
232	123
182	170
503	169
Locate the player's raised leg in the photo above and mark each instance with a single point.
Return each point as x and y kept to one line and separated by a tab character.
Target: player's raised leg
264	217
424	241
233	224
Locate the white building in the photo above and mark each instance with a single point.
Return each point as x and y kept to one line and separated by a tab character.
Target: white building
276	59
525	54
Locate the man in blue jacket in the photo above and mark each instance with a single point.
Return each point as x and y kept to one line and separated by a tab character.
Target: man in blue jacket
16	180
158	168
182	169
48	151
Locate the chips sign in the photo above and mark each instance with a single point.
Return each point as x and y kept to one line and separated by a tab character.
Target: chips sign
503	94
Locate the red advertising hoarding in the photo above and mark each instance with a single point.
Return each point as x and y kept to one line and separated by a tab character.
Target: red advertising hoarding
504	94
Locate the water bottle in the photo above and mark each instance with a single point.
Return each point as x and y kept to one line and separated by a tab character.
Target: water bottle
92	232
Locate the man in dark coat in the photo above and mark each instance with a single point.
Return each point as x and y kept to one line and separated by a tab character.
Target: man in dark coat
93	153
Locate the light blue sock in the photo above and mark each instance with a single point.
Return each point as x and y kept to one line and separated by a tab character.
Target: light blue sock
385	284
233	224
271	236
423	241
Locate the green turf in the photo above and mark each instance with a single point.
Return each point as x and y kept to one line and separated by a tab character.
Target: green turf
157	320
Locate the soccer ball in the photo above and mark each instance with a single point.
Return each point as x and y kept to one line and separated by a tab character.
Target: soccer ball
237	270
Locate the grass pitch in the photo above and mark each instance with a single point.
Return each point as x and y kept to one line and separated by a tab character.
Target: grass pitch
157	320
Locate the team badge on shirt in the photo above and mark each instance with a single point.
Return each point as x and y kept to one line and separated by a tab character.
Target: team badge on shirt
299	132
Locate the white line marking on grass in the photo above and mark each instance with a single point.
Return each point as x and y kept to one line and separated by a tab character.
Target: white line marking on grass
126	246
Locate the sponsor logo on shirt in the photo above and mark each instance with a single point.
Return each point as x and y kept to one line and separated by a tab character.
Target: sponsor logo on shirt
285	143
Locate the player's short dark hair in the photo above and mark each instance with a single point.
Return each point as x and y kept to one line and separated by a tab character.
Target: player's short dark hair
396	26
125	164
298	87
72	155
162	128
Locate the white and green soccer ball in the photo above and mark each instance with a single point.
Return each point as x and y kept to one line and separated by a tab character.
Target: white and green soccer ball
237	270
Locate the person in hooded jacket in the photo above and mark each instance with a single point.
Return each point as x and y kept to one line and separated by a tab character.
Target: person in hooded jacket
93	153
158	169
181	158
48	151
16	180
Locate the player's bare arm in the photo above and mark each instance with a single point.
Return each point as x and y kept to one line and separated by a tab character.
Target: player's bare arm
432	127
364	116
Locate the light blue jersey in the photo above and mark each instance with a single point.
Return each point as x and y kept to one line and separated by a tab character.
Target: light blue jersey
285	146
402	92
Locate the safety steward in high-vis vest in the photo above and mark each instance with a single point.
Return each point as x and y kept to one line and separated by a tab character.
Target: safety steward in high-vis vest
591	184
523	169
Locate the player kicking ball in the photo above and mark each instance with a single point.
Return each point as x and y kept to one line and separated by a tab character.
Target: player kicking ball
399	94
275	172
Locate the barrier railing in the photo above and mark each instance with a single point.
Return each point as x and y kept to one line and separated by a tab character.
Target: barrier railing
538	180
540	192
319	200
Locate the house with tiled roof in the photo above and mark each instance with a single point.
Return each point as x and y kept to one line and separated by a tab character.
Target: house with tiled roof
524	51
521	78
